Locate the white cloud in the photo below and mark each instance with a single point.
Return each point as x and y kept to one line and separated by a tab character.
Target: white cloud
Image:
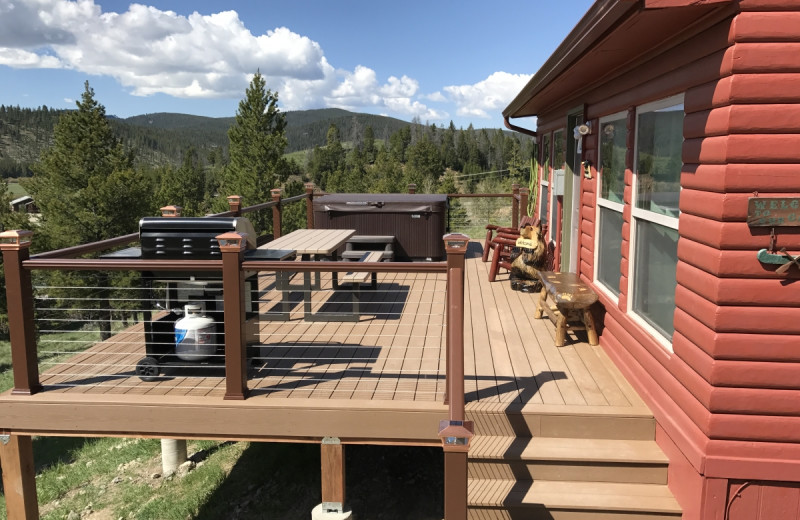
22	59
150	51
436	97
490	95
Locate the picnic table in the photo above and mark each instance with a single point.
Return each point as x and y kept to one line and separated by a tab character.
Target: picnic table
312	244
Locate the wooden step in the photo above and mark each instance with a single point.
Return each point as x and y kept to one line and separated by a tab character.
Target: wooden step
543	458
576	422
511	499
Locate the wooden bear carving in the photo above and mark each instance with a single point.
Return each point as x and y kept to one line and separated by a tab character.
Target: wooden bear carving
527	258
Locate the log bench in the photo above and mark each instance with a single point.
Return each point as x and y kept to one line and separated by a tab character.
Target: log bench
358	244
568	306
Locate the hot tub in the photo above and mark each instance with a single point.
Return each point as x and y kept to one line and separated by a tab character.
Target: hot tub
417	221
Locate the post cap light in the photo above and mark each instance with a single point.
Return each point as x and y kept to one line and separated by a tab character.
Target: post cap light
455	242
234	199
15	239
455	435
232	241
275	192
171	211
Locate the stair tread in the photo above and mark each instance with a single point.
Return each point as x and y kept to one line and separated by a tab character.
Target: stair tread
565	449
655	498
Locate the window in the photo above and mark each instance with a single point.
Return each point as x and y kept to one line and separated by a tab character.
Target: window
659	142
610	202
544	193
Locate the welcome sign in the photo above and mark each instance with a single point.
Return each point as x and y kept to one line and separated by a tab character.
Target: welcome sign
773	212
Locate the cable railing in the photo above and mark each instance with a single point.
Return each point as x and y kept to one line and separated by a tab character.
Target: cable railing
281	327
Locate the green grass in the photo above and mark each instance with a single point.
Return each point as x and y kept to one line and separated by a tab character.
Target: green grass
16	189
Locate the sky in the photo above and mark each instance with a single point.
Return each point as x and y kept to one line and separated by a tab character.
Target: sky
436	60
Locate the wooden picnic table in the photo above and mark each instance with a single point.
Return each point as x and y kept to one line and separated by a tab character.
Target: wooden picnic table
316	243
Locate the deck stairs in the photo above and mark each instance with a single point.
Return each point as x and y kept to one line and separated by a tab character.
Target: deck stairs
537	462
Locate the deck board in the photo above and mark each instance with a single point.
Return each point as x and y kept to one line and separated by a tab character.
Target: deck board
395	352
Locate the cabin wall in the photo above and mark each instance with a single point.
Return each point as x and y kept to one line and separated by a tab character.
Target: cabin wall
727	399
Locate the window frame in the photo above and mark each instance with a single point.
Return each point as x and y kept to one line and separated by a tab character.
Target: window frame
607	204
638	214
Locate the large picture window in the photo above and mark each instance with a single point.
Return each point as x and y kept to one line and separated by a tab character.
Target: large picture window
610	202
658	164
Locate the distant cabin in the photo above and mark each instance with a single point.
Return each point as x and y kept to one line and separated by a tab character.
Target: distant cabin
24	204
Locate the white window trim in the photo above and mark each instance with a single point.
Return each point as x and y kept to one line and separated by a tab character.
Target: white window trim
638	213
605	203
541	201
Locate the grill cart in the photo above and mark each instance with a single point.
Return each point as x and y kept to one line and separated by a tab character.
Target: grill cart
188	330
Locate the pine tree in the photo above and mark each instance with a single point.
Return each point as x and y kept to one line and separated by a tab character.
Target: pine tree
87	190
85	185
257	142
185	187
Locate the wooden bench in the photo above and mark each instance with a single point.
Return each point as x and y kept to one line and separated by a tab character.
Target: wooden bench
571	299
357	245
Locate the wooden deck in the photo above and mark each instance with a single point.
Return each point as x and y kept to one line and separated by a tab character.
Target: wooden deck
393	358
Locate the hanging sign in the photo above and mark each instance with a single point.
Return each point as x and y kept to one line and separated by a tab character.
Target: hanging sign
773	212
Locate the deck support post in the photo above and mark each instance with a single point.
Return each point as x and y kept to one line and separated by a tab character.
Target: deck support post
309	205
515	205
232	245
333	482
276	212
455	433
15	246
19	477
455	485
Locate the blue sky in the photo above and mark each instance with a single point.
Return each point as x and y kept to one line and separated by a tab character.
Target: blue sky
436	60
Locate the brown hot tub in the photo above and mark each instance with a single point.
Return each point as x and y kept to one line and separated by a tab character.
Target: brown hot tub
417	221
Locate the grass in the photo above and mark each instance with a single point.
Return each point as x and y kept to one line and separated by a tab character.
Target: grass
16	189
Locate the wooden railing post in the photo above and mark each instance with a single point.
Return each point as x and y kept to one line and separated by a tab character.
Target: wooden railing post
515	206
524	194
19	477
412	188
232	245
276	212
15	246
455	432
310	205
235	204
171	211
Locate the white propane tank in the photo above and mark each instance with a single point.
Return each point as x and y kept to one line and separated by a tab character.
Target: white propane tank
194	335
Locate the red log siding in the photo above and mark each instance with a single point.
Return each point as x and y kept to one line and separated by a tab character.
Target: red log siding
727	399
763	500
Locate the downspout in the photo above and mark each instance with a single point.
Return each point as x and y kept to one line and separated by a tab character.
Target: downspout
521	130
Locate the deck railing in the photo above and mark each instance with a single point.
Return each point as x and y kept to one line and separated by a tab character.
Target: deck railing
29	340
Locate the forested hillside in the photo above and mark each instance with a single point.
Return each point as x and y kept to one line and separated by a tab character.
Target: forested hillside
162	138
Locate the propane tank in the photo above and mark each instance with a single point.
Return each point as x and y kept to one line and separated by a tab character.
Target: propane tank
194	335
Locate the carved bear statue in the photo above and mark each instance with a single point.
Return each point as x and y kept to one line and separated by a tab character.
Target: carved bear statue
527	258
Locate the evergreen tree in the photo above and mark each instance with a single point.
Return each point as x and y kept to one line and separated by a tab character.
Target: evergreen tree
257	142
8	220
185	186
85	184
87	190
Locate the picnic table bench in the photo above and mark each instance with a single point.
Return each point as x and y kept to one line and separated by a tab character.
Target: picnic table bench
358	244
571	299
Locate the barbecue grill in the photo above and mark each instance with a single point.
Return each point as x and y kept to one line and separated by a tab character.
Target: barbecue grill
186	238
